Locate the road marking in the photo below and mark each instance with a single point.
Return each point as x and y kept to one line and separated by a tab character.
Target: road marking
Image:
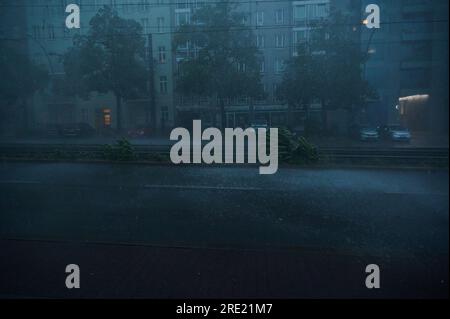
415	193
156	186
200	187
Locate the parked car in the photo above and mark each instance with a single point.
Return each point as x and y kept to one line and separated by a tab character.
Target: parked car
139	131
367	134
396	133
364	132
77	130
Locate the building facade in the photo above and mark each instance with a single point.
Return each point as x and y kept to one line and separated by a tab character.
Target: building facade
48	39
408	65
12	32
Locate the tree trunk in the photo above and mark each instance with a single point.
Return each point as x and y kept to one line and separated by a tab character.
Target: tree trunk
290	118
119	113
251	112
308	126
25	115
324	115
222	114
213	110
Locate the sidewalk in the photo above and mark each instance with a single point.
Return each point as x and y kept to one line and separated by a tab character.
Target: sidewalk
37	269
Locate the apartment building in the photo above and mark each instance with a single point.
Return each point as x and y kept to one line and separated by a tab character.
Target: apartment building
408	64
48	39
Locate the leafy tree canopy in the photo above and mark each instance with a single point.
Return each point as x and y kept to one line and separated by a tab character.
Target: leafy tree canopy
223	60
328	68
110	58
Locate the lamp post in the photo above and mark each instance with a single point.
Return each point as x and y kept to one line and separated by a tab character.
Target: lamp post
367	52
369	43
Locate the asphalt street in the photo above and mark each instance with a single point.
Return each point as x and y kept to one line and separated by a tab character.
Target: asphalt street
395	217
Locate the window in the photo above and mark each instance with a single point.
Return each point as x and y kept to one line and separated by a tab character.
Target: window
144	23
300	13
241	67
322	11
260	39
300	36
51	31
245	18
164	114
279	16
280	40
162	54
145	5
160	24
163	84
279	66
262	66
259	18
107	120
275	92
182	18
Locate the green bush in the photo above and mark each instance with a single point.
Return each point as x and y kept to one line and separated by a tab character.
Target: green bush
121	151
305	152
295	150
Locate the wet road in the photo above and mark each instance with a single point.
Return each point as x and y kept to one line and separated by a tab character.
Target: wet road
380	214
359	211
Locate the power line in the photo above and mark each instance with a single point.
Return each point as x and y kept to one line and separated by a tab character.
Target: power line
219	29
147	3
268	26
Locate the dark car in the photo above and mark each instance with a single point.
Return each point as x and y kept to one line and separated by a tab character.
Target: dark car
367	134
77	130
396	133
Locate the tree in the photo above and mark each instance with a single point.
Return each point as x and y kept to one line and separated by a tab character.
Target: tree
328	68
300	85
21	78
111	58
224	61
342	84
